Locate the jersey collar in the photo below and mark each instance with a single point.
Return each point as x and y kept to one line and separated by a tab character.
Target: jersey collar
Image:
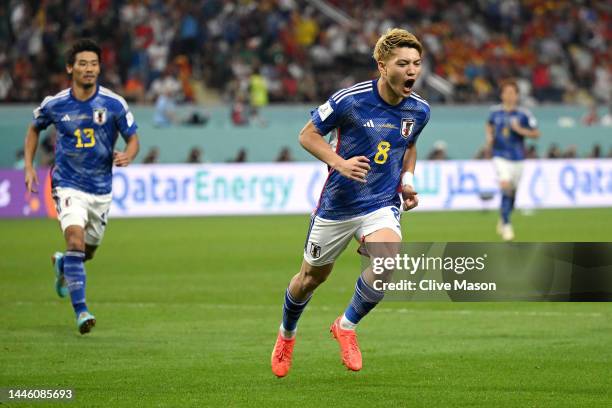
381	100
88	99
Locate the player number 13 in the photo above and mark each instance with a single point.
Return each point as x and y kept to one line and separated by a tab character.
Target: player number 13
84	136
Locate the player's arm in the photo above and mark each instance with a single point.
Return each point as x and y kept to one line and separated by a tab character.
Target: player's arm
488	137
409	195
532	133
356	168
132	146
29	151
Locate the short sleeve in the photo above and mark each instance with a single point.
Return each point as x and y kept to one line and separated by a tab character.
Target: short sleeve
529	120
415	135
490	120
41	117
326	117
126	123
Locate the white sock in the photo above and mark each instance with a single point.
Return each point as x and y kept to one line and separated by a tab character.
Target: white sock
346	324
287	334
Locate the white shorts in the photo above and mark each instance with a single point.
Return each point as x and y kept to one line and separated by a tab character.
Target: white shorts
327	239
88	211
508	170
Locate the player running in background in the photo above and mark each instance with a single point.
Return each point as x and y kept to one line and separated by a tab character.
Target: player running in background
87	118
375	125
506	130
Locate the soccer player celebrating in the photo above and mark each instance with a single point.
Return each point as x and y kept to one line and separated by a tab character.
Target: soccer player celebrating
505	131
87	118
375	125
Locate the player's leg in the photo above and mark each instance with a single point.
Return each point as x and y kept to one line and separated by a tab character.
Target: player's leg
76	277
504	175
71	209
97	211
325	241
381	234
299	292
57	259
511	186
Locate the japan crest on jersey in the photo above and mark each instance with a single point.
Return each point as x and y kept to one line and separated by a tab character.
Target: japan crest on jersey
99	116
406	128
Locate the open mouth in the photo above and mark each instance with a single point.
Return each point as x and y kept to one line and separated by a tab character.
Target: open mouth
408	84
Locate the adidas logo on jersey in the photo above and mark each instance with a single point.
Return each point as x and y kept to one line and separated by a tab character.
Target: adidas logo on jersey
369	123
65	118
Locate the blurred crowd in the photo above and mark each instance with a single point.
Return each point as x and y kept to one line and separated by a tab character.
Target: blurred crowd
256	52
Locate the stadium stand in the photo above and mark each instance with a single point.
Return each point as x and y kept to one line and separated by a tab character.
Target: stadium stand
559	49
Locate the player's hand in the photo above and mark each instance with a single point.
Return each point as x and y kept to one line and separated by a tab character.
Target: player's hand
121	159
31	180
356	168
410	198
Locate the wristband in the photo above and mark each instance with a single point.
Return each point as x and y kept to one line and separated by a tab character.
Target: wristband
408	179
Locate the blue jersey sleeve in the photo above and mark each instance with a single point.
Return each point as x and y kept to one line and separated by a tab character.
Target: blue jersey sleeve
126	124
41	118
326	117
528	120
490	121
415	134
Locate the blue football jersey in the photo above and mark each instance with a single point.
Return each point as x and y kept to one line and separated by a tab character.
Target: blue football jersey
506	142
363	124
86	136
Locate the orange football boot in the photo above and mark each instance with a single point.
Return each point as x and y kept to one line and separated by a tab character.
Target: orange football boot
349	348
281	355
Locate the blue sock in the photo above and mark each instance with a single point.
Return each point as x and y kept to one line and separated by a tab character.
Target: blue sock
74	273
364	299
292	310
507	204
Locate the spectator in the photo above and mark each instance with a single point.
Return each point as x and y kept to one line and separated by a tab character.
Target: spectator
553	152
591	117
532	152
438	152
165	109
195	155
134	88
166	83
152	156
570	152
483	153
239	113
562	46
6	83
284	155
596	152
241	156
606	120
259	96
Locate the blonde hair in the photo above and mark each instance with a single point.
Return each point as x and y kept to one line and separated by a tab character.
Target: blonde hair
392	39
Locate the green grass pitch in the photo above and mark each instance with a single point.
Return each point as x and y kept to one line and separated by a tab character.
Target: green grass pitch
188	310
